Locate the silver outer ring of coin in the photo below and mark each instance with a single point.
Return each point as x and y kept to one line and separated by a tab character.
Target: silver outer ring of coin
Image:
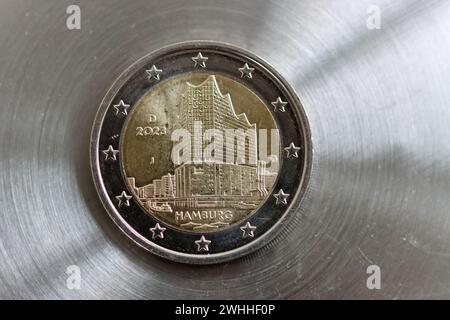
246	247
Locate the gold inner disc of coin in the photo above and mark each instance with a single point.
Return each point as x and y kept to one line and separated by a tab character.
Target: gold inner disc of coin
200	151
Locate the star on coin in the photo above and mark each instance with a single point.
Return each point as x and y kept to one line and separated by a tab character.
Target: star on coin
123	199
200	60
292	151
247	230
279	105
121	108
153	73
202	244
281	197
157	231
110	153
246	71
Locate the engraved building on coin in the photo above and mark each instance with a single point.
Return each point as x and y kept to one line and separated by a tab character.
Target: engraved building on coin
217	176
200	151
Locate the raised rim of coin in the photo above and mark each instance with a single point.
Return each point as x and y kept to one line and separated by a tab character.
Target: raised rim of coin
230	243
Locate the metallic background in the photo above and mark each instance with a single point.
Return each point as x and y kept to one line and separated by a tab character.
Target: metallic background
378	105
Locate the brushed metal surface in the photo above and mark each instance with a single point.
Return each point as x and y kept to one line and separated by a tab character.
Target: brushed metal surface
378	105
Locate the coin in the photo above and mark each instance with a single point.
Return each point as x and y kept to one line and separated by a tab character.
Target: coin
199	151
